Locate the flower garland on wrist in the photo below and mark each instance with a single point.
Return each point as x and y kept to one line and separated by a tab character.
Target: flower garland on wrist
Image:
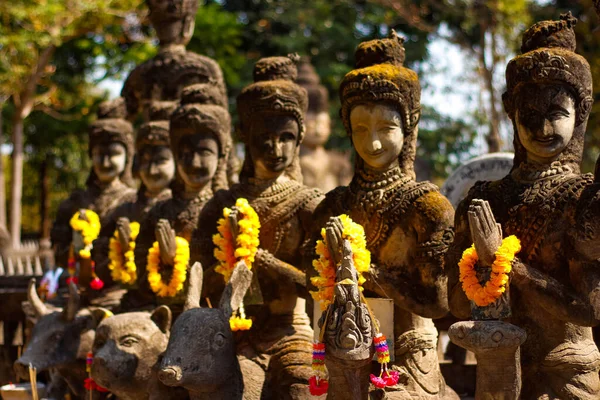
492	290
228	253
89	230
325	283
155	269
326	268
122	261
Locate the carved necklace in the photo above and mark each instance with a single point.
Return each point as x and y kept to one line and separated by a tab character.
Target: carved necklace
378	201
547	191
276	204
190	209
531	172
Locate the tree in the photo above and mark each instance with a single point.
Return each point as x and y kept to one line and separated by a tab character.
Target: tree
30	33
487	30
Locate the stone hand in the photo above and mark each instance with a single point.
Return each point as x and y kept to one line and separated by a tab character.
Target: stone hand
166	241
333	233
233	223
124	232
77	235
486	233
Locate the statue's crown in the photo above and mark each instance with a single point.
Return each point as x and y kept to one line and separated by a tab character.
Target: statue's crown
551	34
276	68
381	51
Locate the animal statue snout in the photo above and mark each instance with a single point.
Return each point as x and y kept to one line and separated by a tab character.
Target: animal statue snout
21	369
170	376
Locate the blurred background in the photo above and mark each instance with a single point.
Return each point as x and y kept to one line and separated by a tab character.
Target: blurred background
60	58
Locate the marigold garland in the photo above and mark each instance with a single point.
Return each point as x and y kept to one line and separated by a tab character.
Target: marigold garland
246	242
229	254
122	263
178	274
496	285
324	265
89	230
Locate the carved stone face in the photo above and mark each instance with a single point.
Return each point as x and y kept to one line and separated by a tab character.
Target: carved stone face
170	26
377	134
126	347
318	129
108	161
545	120
202	364
273	143
197	160
157	167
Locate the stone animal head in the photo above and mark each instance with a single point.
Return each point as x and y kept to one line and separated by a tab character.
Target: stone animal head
60	338
201	354
349	328
126	347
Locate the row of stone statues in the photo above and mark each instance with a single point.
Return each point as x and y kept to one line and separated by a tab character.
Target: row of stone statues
519	258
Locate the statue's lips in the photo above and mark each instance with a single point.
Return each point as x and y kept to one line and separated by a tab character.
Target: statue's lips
375	153
546	139
274	161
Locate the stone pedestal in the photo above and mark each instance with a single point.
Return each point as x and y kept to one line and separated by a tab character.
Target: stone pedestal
496	345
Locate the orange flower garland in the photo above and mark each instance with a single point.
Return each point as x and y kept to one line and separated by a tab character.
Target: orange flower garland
244	249
324	265
496	285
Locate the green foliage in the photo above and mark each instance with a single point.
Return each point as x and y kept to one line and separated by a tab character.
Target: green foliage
218	35
443	142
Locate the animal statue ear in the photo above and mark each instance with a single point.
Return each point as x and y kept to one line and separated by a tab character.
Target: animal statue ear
99	314
162	318
236	288
72	306
195	287
34	307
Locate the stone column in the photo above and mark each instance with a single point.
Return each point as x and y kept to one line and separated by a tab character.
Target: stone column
496	345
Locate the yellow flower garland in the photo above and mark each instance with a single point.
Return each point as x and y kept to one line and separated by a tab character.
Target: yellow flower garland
122	263
89	230
228	254
324	265
179	273
247	240
496	285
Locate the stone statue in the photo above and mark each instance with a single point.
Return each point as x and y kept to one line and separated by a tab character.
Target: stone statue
126	350
205	363
200	131
166	75
271	114
553	287
321	168
407	223
155	166
60	340
348	328
109	183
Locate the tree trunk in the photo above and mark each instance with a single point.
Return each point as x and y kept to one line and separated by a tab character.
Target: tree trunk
487	25
45	200
17	181
24	102
2	179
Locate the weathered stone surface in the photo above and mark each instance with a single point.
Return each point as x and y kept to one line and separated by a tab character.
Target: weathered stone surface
553	284
407	223
200	356
272	114
60	339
